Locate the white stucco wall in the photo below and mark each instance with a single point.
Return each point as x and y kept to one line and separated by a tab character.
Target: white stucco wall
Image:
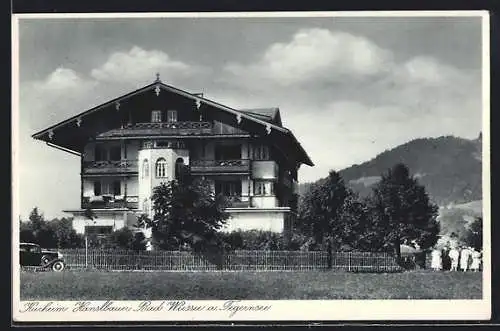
116	220
264	201
265	220
146	184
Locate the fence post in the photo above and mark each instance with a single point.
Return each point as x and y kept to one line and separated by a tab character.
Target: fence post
329	252
86	251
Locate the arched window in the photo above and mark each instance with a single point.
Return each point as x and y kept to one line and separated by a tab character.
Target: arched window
145	168
161	168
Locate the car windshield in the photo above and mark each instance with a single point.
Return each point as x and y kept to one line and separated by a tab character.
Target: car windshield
30	248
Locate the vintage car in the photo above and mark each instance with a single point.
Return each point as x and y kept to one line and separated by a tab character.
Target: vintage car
33	255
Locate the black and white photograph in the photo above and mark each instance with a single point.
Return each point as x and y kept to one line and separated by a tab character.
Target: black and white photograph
251	166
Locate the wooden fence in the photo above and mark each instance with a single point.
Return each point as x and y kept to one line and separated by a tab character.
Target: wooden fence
233	261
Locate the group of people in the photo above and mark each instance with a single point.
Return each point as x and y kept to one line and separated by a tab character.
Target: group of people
460	258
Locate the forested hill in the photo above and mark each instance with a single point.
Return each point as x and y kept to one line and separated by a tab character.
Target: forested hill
449	167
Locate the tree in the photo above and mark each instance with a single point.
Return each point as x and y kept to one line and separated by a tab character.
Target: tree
26	232
353	226
65	234
56	233
187	213
41	233
321	206
138	242
37	221
474	235
401	212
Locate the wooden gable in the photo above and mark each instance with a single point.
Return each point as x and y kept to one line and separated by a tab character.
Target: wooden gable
135	108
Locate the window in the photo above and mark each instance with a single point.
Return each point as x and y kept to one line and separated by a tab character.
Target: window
145	168
228	188
161	166
156	116
171	116
30	248
117	187
263	188
115	153
99	153
259	188
261	152
97	188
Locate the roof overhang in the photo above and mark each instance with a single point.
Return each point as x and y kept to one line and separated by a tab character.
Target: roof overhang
73	139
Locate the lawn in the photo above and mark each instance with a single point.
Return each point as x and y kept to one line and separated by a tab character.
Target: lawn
248	285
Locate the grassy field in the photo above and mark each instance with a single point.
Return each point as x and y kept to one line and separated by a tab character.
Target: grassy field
248	285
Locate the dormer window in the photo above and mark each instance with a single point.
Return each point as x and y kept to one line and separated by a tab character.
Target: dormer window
171	116
156	116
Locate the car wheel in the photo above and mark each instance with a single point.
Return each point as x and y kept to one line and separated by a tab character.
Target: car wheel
58	266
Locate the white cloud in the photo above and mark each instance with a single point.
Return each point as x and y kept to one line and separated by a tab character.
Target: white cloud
345	98
61	80
429	71
63	91
316	54
139	65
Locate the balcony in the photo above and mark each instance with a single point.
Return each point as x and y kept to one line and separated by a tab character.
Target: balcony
264	169
162	128
109	167
110	202
237	203
220	166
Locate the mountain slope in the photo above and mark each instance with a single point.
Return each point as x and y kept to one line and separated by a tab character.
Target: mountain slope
449	167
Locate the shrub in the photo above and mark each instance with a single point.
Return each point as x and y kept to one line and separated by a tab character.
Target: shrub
252	240
122	238
139	242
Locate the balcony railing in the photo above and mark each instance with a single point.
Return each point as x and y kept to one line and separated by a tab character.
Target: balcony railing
110	201
106	167
239	204
162	128
223	166
235	201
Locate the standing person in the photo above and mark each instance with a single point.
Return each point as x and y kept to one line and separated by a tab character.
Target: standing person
464	259
454	255
476	261
436	263
445	259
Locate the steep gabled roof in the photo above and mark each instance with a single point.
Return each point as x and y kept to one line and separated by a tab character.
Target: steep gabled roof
268	117
192	96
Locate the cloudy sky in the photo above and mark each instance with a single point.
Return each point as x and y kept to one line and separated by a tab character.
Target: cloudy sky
348	87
